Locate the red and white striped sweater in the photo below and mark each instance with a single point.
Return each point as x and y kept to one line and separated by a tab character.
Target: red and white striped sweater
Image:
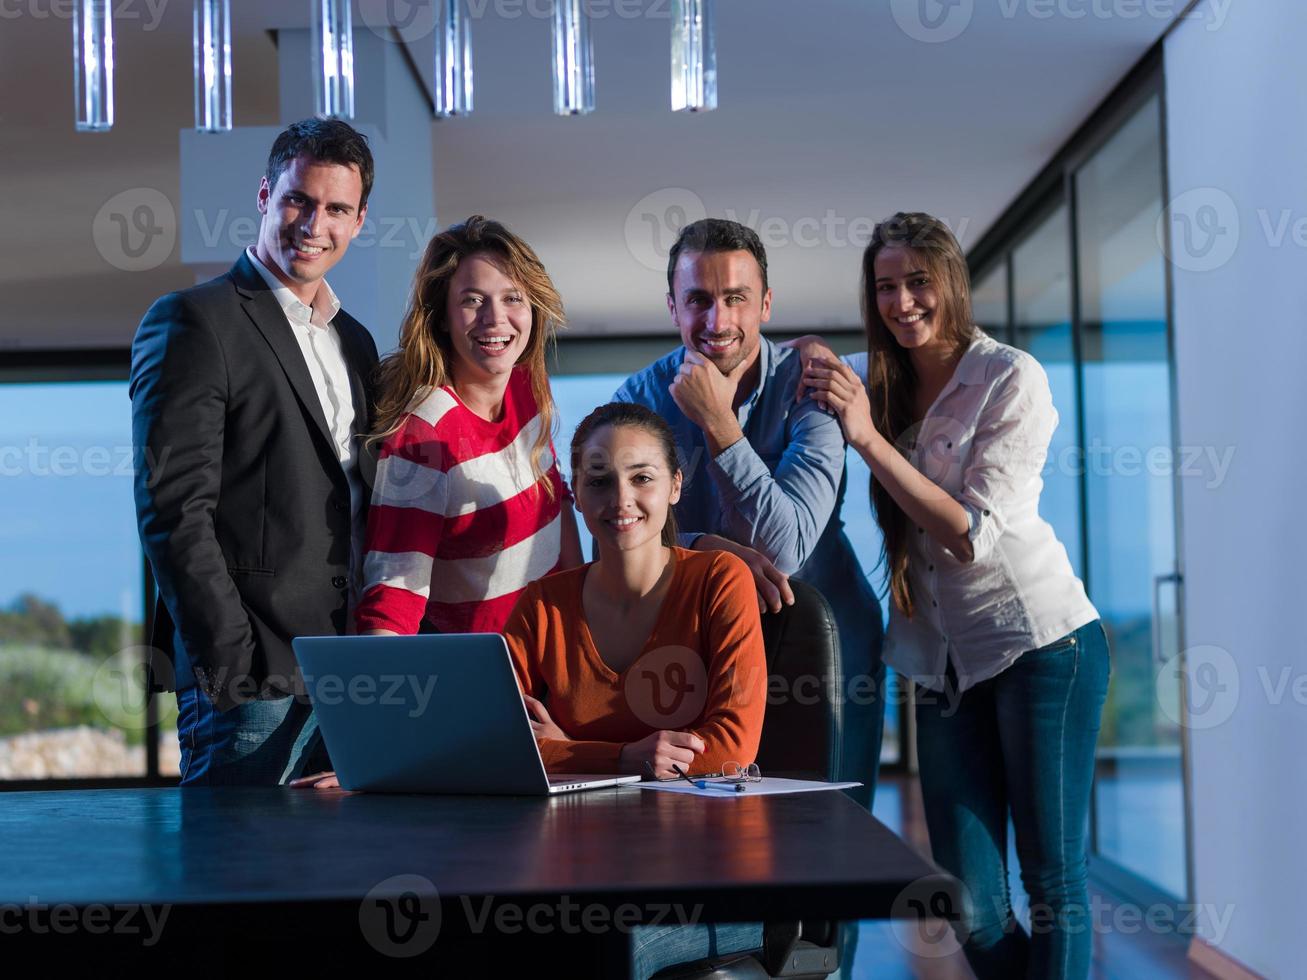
458	525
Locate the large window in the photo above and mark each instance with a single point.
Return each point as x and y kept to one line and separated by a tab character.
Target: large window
1129	504
71	587
1089	300
1041	286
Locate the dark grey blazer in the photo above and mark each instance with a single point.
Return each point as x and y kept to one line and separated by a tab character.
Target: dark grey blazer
242	505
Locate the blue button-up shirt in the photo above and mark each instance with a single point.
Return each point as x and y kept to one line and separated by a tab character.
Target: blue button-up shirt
779	490
776	489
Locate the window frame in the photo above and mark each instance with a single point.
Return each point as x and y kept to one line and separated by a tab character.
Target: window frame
71	366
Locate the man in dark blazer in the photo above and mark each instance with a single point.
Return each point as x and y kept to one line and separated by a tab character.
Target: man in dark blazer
250	400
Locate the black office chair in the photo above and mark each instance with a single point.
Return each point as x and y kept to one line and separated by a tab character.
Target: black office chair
800	739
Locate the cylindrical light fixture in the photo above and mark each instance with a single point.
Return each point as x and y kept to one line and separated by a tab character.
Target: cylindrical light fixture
93	65
213	66
333	56
453	67
574	67
694	56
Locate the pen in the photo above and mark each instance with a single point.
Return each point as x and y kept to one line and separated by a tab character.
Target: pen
703	783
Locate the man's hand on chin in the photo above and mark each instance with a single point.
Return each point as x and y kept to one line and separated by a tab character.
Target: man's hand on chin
706	395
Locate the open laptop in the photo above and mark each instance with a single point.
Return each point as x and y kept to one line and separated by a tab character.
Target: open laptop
428	714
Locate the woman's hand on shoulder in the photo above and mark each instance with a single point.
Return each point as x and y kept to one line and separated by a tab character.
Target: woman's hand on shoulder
837	386
659	751
809	346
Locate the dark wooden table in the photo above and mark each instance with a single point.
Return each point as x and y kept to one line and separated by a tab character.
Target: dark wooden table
216	879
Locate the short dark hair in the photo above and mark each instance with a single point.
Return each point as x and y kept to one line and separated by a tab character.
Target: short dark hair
716	235
324	141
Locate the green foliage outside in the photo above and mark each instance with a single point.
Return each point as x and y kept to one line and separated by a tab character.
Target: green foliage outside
59	673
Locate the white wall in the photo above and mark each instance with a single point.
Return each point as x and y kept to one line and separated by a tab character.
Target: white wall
1237	131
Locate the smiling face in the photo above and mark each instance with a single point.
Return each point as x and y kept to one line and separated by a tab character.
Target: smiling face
907	299
489	320
309	219
719	305
625	488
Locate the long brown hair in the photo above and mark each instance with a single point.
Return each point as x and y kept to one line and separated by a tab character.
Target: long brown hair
425	356
638	417
891	380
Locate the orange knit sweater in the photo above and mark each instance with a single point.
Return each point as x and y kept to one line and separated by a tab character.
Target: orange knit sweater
702	669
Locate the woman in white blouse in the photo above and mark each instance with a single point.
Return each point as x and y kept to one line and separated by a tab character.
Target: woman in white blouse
987	618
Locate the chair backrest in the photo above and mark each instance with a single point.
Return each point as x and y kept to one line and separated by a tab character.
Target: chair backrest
804	718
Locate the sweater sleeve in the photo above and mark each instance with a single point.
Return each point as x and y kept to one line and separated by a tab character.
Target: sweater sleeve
404	527
731	725
530	641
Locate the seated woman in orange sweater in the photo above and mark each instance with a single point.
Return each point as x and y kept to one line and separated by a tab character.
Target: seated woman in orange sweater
648	658
652	656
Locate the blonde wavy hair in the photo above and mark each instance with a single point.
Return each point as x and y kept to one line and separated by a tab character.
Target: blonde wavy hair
425	356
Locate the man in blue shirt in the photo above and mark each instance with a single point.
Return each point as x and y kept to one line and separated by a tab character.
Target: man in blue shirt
763	473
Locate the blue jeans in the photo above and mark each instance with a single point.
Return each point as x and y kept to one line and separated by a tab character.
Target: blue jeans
259	743
655	948
1021	742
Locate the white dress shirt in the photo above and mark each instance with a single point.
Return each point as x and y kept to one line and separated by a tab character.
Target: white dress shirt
985	441
319	342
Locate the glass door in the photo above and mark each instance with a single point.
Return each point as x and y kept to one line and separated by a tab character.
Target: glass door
1130	541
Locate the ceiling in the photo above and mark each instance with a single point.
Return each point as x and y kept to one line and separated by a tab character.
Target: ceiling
833	114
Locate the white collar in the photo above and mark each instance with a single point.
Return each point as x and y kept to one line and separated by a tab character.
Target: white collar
325	303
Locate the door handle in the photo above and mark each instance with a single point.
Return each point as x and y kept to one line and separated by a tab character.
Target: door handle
1158	581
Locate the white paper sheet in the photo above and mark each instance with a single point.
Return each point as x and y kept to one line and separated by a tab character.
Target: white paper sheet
770	786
